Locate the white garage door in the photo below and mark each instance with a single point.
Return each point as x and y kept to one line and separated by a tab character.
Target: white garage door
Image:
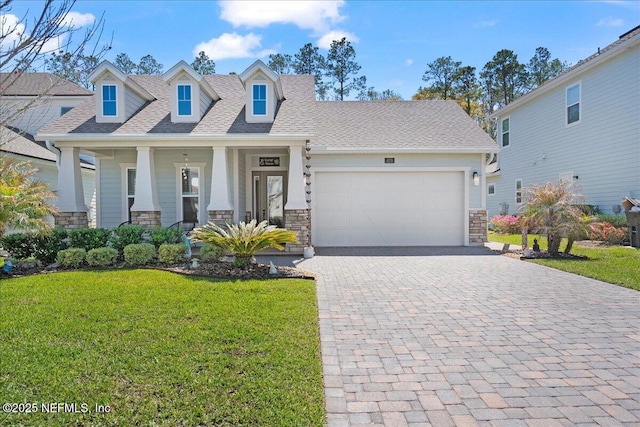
388	209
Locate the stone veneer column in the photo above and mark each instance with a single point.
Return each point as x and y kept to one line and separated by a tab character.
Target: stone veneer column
146	218
221	217
71	220
477	227
298	221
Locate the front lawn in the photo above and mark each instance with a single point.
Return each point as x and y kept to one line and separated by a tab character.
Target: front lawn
156	348
615	264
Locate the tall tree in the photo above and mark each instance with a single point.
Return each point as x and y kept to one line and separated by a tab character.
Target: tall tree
542	68
125	64
281	64
505	77
149	66
203	65
467	87
310	62
442	74
74	68
343	69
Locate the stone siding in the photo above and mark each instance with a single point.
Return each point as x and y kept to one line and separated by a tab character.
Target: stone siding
298	221
221	217
146	218
71	220
477	227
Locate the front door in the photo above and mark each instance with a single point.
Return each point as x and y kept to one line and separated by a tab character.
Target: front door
269	196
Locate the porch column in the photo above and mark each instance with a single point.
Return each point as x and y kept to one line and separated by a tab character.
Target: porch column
70	201
296	210
220	208
145	209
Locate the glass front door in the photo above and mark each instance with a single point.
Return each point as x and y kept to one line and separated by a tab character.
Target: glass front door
269	197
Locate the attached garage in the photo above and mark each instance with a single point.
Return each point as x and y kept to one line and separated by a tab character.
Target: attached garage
389	208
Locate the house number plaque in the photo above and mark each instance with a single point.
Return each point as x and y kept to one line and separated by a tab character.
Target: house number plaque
269	161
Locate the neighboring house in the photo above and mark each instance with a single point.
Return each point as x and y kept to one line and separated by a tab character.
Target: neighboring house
186	147
44	97
582	126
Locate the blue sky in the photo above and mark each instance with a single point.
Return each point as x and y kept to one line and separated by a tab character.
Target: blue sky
394	40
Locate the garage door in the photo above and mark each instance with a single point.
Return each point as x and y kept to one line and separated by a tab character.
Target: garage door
388	209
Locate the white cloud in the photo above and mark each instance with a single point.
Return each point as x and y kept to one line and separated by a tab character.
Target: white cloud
489	23
11	28
408	62
233	45
77	20
325	41
610	22
318	16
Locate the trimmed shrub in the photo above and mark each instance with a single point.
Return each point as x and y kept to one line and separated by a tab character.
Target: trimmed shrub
102	257
72	257
607	232
160	235
47	247
618	221
506	224
173	253
89	238
19	245
125	235
139	253
211	253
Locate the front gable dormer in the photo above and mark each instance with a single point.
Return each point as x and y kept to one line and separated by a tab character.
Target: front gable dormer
191	94
263	92
117	96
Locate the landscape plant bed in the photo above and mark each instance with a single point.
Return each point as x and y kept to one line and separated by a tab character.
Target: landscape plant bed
215	270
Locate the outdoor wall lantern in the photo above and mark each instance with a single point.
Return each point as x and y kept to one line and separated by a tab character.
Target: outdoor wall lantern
476	179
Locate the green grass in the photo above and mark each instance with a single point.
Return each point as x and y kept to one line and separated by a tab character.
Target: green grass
616	264
160	349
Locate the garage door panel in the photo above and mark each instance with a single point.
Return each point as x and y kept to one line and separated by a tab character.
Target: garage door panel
389	208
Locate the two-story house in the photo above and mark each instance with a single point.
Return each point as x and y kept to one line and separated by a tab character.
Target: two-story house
28	102
228	148
582	126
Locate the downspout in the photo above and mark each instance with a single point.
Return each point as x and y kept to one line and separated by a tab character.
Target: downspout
51	147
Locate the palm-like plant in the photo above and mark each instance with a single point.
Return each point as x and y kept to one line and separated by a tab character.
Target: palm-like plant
25	202
554	210
244	240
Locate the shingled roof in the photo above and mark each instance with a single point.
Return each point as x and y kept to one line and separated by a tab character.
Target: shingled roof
35	84
341	125
12	141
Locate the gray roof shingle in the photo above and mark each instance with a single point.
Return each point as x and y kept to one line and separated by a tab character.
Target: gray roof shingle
12	141
334	124
34	84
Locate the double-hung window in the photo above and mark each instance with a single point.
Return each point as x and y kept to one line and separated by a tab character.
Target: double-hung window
184	100
504	132
259	100
518	191
190	193
109	100
573	104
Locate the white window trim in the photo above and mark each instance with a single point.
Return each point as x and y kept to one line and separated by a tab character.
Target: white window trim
124	167
566	104
490	194
184	116
266	99
502	133
102	86
201	191
515	193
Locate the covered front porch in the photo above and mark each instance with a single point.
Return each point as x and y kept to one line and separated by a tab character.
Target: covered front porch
159	184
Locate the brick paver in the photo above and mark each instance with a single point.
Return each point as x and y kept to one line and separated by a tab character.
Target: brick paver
458	336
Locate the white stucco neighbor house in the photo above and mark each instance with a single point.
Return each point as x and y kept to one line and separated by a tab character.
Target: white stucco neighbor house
228	148
582	126
43	97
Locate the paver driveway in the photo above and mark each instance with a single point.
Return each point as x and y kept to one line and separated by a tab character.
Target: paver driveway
442	338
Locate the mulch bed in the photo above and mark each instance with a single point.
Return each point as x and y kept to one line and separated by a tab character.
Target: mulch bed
216	270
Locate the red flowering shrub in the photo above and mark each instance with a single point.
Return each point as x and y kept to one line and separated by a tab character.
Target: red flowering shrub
506	224
606	232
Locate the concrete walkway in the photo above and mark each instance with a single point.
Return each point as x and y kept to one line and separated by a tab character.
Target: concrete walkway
460	336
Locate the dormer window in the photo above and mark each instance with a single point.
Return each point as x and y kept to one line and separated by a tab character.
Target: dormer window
259	100
184	100
109	100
